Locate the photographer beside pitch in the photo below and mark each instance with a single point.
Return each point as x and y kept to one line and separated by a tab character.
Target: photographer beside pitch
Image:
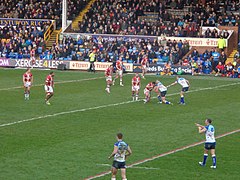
210	142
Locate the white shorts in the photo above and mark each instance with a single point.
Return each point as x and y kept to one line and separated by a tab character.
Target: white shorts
135	88
48	89
120	72
109	78
144	66
146	91
27	84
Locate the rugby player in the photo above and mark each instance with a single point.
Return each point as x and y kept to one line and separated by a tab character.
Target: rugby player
27	83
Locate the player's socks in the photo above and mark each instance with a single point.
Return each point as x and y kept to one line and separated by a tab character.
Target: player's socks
113	178
167	102
136	97
182	100
205	156
159	98
121	84
214	160
133	97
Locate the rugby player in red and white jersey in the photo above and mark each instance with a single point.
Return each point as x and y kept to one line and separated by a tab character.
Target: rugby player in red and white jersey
119	73
147	91
136	82
32	57
27	83
144	64
49	84
108	75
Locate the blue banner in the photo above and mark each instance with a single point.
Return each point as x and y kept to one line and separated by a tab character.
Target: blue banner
25	22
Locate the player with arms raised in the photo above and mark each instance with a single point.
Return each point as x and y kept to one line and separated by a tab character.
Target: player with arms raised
210	142
185	86
120	152
108	75
161	90
49	84
119	73
136	82
144	64
27	83
147	91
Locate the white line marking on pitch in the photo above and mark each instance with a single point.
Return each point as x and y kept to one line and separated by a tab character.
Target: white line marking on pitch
103	106
162	155
60	82
133	167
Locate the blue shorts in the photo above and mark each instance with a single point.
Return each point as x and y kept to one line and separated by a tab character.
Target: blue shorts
119	165
163	94
185	89
209	146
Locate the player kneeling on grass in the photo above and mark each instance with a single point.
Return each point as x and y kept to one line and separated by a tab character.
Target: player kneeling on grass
147	91
210	142
108	76
135	86
161	90
49	87
120	152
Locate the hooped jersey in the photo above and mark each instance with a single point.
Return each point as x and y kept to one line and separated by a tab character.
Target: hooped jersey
121	152
144	61
119	65
27	77
210	138
150	86
136	81
108	72
49	80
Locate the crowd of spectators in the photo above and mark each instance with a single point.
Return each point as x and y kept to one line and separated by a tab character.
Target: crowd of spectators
131	51
127	17
35	9
212	62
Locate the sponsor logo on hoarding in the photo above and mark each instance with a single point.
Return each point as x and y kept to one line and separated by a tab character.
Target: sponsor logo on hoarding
4	62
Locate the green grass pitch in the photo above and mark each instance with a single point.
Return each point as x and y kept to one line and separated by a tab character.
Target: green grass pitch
72	138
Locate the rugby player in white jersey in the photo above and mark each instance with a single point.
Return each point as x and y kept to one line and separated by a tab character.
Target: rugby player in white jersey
120	152
210	142
185	86
161	90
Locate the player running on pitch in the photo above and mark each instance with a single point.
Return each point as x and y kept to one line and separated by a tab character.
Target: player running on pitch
161	90
27	83
185	86
108	75
136	82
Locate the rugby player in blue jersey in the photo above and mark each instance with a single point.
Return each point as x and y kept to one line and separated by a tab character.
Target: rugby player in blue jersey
120	152
210	142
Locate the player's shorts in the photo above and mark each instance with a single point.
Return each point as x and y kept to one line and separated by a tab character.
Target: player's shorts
146	91
119	165
109	78
144	66
48	89
120	72
135	88
209	146
185	89
163	93
27	84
